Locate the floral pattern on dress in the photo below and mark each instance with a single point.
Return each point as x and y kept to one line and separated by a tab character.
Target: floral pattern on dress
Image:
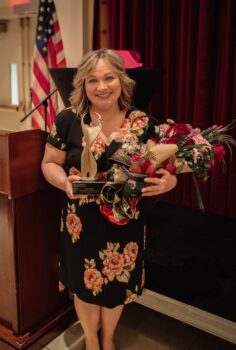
73	223
131	296
136	122
131	128
54	134
118	265
93	279
87	199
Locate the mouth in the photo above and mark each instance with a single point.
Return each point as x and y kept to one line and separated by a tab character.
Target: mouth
104	95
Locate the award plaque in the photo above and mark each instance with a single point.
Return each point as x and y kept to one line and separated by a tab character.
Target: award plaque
92	187
89	183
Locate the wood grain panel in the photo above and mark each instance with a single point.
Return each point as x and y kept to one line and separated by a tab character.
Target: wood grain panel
37	229
4	163
26	150
8	296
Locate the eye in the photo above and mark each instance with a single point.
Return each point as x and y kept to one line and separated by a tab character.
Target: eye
109	78
92	81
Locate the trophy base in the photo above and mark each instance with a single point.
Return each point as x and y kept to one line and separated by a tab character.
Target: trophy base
88	186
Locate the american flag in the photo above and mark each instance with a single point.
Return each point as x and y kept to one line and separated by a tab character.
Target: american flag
48	53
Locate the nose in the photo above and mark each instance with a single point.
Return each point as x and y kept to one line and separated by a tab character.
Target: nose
101	85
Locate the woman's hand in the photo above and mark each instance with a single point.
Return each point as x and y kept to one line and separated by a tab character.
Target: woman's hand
159	185
68	187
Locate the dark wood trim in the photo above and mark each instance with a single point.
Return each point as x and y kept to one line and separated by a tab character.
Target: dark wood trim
42	336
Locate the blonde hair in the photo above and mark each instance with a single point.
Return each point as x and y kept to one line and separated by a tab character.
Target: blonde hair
78	98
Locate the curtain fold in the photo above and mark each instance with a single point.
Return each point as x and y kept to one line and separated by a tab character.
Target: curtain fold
194	41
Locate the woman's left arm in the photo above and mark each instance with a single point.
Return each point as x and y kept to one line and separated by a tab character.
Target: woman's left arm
158	185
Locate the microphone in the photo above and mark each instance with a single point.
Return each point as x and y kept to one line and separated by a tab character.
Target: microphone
41	103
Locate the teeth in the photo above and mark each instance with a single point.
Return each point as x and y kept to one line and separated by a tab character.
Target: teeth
106	94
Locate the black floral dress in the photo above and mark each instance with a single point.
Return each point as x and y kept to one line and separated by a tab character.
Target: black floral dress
101	262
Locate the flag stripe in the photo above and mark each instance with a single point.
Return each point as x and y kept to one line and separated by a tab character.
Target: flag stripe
41	78
48	53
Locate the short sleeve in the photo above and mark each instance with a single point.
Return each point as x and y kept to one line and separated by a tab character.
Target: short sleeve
60	129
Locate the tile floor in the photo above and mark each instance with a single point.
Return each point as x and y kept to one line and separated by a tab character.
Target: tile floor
143	329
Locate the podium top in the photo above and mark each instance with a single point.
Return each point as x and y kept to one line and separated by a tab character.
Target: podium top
20	162
147	80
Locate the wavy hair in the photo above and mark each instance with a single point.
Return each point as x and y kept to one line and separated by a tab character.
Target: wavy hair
78	97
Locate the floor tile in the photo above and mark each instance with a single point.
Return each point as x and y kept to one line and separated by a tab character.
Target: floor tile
72	338
142	328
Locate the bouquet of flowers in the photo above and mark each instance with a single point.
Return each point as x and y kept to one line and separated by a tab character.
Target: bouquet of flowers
176	147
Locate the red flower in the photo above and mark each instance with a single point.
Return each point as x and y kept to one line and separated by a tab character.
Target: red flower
171	140
182	129
219	151
146	167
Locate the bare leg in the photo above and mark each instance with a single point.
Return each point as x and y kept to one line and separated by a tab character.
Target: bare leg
109	320
89	315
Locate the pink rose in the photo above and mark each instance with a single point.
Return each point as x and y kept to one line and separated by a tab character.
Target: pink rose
130	252
113	266
93	280
139	123
98	146
125	128
73	225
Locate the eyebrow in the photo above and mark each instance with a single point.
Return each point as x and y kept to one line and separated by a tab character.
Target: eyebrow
94	76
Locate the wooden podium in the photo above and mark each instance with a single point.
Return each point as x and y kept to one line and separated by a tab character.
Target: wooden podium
32	311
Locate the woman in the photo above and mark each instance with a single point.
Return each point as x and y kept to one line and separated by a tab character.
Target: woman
101	263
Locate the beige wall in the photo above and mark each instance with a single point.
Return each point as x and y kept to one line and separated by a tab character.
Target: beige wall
16	46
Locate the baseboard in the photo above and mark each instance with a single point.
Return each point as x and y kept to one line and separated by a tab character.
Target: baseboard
191	315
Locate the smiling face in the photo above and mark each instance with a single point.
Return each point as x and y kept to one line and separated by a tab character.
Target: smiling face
103	86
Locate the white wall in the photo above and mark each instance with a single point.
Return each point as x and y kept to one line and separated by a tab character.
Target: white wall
16	46
70	15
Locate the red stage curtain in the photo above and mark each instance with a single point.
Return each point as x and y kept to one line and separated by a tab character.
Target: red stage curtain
194	41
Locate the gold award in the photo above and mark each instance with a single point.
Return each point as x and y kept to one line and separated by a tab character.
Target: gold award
89	183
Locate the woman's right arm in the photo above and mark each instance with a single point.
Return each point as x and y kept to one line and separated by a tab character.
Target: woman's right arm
53	169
